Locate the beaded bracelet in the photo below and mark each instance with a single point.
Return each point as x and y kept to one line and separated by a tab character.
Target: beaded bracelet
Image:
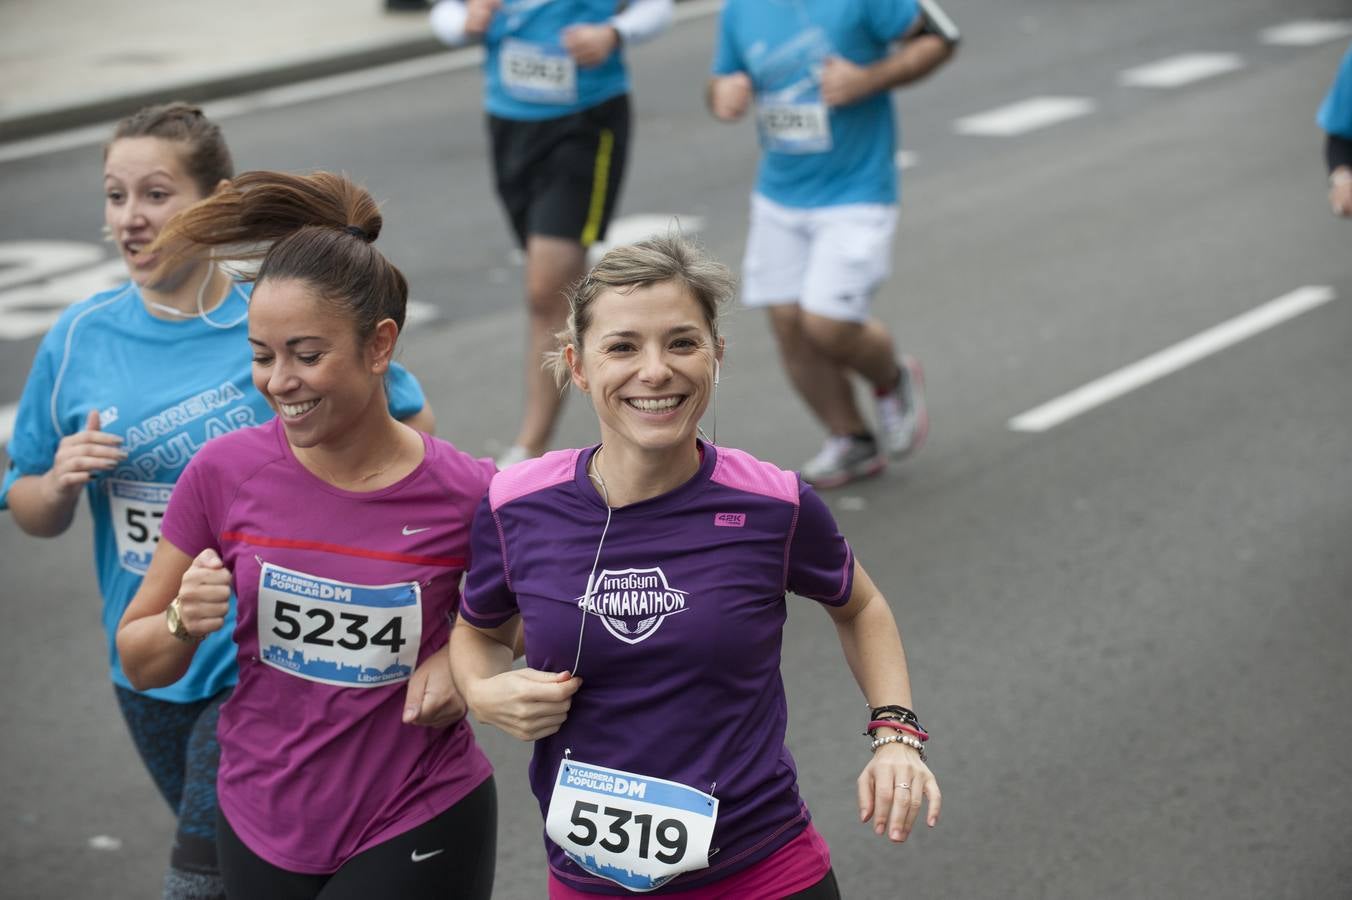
918	731
901	739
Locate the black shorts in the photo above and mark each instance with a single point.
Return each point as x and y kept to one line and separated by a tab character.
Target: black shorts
560	177
452	855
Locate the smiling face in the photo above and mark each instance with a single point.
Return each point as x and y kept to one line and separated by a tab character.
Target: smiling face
321	379
648	362
144	185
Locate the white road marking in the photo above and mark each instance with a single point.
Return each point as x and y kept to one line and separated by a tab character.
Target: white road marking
1176	71
905	159
1172	359
1024	116
304	91
1307	32
8	413
24	261
31	308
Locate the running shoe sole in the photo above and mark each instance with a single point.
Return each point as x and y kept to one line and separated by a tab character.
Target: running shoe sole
858	472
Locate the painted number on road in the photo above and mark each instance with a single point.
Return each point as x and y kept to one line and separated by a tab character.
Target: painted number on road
39	279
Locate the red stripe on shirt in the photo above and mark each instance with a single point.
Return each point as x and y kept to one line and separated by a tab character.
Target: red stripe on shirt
449	562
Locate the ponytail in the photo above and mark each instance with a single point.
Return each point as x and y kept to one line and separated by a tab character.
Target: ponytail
315	228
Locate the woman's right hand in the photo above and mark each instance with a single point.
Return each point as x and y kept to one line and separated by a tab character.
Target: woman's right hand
82	455
730	96
526	703
204	595
479	15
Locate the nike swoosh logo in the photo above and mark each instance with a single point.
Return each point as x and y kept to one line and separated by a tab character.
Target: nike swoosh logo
419	857
408	531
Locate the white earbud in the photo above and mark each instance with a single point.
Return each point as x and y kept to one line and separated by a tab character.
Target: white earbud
715	373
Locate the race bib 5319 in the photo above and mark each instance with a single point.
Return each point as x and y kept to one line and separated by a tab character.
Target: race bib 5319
637	831
351	635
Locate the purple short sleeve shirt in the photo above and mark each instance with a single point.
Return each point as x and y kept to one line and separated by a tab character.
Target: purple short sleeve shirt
680	651
316	763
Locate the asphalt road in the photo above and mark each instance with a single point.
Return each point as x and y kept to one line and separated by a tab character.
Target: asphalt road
1127	632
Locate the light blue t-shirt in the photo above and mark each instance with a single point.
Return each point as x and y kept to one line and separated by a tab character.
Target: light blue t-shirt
1335	113
528	76
813	155
167	387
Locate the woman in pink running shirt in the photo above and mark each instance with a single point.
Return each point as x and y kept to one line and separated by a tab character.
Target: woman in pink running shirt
650	574
347	768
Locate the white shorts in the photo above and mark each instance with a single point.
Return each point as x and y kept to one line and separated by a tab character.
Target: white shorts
828	260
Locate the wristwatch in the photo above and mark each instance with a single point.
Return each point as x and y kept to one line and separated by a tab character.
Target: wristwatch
172	618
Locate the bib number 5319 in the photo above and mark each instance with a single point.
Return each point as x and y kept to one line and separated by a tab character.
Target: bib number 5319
640	832
670	835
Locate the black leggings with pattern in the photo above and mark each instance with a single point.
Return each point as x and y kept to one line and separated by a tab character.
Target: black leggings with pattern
177	743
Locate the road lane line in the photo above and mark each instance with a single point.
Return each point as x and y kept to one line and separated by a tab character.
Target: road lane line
1024	116
8	413
1172	359
304	91
1176	71
1306	32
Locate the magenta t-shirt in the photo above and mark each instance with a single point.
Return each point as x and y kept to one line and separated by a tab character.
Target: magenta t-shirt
341	596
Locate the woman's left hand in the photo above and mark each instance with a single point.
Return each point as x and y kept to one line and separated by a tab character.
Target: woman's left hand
891	788
432	698
590	45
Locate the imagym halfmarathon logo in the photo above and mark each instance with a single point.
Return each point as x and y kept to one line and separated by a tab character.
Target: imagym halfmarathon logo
633	603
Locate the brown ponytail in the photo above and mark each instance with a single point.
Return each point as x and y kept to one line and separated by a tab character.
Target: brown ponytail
315	228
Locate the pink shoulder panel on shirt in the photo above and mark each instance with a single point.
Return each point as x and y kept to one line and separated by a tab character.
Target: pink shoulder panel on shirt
739	469
532	475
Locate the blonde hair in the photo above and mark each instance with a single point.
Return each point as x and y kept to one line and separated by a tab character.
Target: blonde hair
652	261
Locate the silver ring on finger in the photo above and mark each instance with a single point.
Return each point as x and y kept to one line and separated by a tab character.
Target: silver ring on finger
903	785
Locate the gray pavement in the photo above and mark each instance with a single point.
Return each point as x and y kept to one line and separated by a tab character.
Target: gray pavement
1128	633
65	63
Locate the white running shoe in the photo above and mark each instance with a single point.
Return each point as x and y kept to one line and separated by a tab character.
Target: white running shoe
903	418
842	460
511	456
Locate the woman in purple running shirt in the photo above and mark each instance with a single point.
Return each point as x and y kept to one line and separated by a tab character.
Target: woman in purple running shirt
347	769
650	573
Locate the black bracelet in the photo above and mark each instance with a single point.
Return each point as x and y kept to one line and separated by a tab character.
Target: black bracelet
903	714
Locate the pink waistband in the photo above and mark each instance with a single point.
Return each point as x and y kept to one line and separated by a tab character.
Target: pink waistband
798	865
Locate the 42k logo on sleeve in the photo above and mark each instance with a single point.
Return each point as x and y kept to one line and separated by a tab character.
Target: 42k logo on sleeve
633	603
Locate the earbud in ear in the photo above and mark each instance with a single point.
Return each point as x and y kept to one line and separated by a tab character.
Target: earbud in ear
715	373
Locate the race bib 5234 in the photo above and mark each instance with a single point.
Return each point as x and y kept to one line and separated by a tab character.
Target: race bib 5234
351	635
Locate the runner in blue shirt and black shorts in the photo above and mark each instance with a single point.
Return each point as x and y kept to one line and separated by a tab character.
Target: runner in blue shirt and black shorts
557	95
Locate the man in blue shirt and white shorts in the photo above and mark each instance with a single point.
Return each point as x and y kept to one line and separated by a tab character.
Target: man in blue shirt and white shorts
818	74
